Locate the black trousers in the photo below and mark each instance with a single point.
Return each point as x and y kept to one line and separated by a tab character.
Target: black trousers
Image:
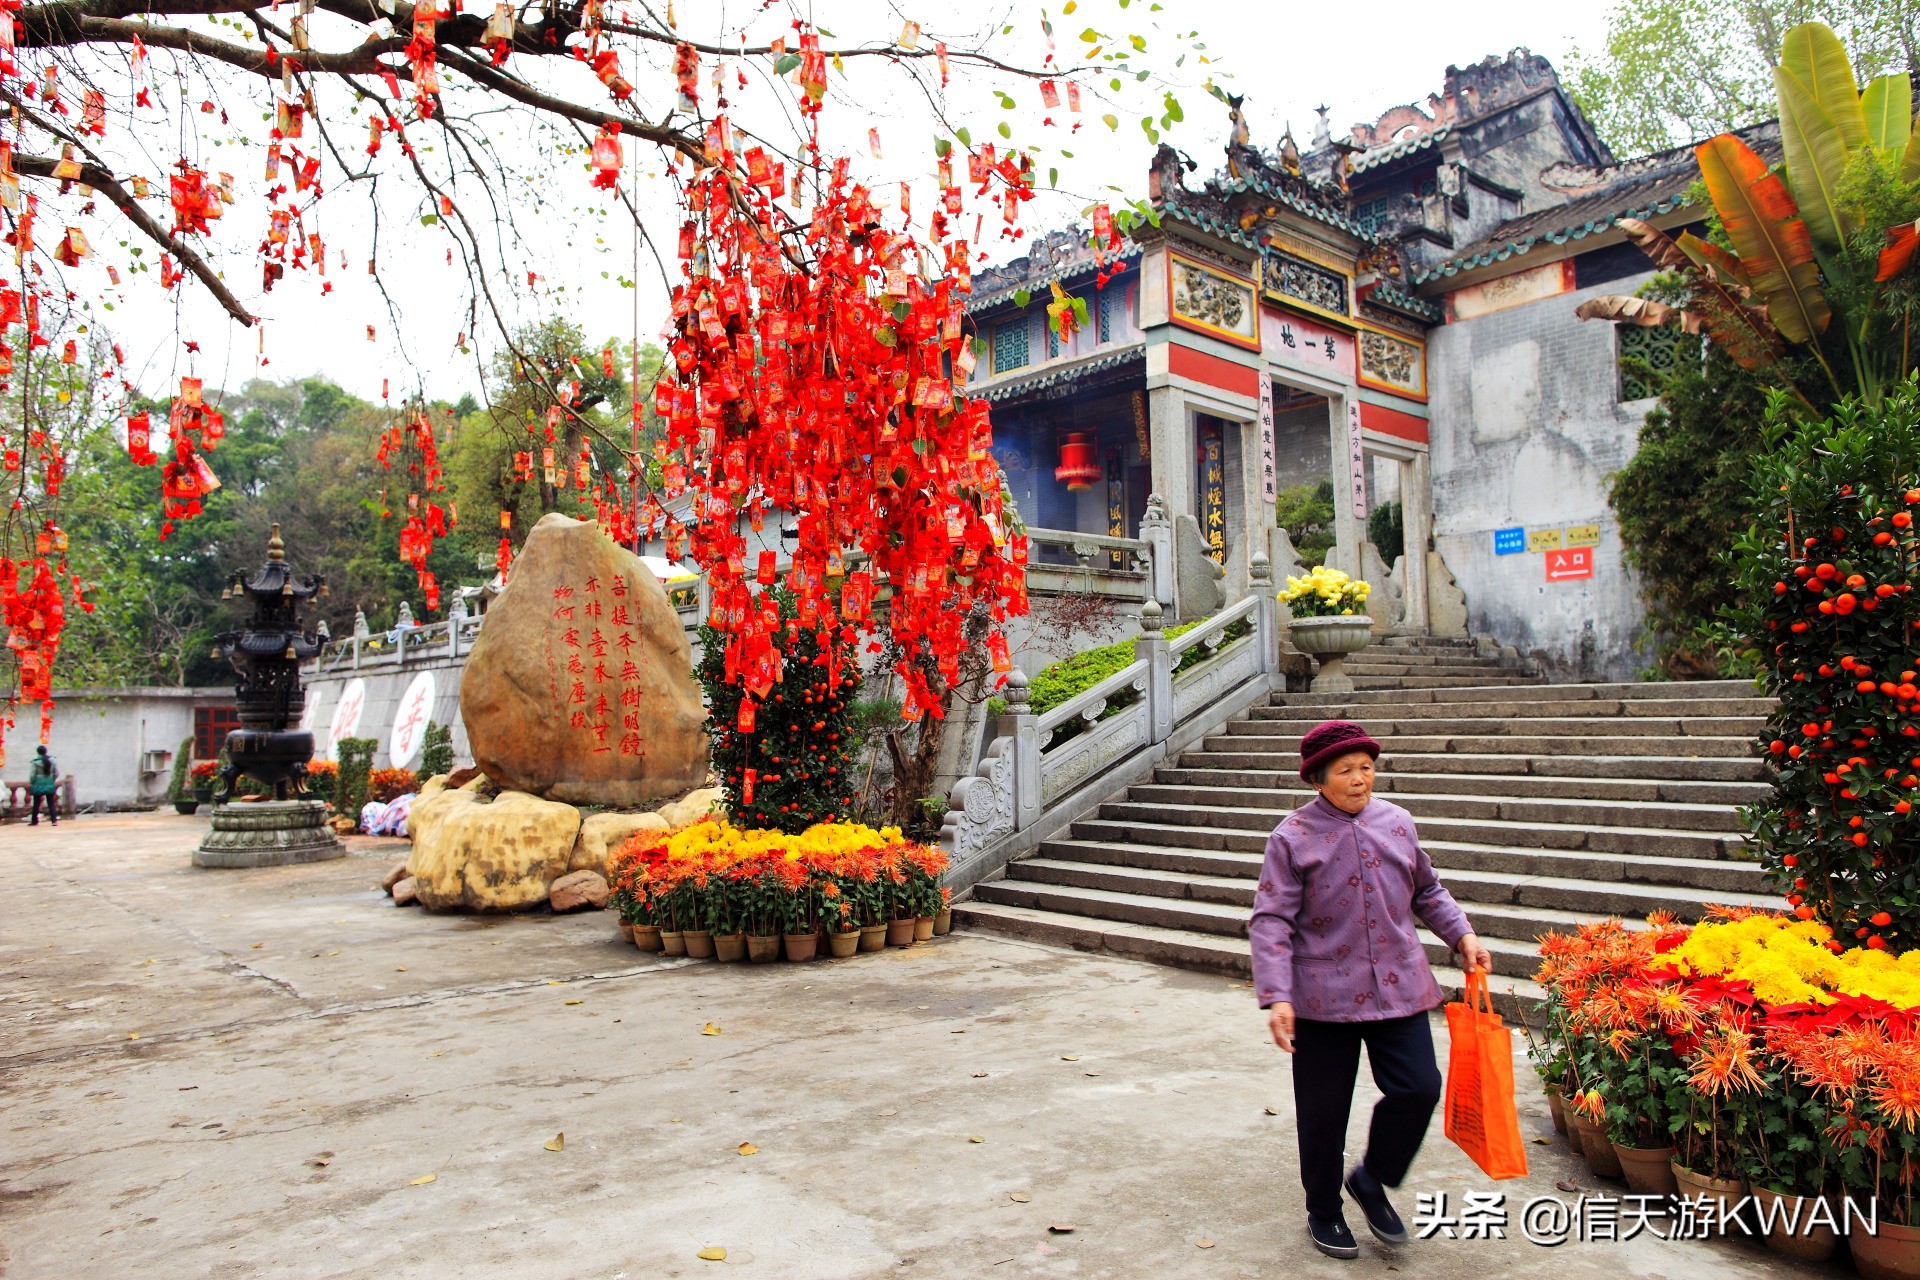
53	807
1326	1059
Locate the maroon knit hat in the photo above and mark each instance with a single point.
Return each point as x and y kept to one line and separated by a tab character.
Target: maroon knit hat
1331	739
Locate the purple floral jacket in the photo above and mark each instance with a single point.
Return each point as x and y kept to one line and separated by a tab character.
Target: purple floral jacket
1333	922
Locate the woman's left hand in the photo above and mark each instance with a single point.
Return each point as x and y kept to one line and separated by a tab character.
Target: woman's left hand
1474	954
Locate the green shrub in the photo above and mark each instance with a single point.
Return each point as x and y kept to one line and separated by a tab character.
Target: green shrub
1387	530
352	789
1305	511
177	788
436	751
1070	677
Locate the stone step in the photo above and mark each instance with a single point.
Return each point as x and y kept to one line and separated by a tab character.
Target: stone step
1598	813
1231	753
1489	864
1754	708
1256	735
1145	903
1514	998
1368	683
1423	672
1746	728
1517	786
1559	692
1174	821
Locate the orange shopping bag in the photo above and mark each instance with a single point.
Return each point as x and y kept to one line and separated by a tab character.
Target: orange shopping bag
1481	1119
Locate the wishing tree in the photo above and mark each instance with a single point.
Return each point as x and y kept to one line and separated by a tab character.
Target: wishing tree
817	332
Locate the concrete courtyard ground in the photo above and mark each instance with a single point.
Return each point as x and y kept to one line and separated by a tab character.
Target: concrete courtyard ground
256	1073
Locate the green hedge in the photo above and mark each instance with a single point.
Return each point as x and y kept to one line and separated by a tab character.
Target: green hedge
1070	677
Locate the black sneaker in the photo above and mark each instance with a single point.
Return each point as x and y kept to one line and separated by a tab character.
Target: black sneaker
1331	1237
1372	1199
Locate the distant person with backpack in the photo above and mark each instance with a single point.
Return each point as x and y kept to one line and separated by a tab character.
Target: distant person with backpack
43	780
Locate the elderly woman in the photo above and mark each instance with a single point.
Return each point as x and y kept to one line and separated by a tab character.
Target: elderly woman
1337	964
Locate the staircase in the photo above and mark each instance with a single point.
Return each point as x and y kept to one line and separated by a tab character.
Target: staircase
1542	806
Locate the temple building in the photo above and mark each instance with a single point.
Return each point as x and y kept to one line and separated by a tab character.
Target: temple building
1391	312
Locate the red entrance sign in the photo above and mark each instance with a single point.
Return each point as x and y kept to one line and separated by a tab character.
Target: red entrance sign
1568	563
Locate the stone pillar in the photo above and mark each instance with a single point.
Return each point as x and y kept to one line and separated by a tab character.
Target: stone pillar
1170	449
1416	507
1020	731
1152	648
1266	629
1157	532
1349	529
1256	513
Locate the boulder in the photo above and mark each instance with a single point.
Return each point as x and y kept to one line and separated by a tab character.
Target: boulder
394	877
580	687
403	892
498	856
602	833
691	807
578	889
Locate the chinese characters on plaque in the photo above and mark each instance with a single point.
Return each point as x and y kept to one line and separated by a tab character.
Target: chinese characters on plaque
1357	461
1116	507
1269	478
1213	495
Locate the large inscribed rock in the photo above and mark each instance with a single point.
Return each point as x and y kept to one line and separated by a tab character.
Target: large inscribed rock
580	687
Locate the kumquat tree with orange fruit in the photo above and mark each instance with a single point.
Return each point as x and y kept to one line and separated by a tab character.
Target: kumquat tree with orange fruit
1827	577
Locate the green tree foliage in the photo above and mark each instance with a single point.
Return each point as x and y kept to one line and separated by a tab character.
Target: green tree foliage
1387	530
1305	511
1674	72
802	748
1824	584
436	751
353	784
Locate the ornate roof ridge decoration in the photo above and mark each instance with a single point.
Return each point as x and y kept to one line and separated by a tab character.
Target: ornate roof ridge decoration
1249	171
1056	256
1581	180
1111	361
1374	157
1649	187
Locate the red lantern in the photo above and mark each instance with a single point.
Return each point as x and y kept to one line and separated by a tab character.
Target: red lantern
1079	465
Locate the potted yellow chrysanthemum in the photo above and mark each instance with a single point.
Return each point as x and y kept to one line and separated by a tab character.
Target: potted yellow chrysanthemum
1329	620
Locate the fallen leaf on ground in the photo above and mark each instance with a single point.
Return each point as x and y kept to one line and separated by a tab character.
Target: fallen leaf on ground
746	1148
1019	1197
133	1035
559	1143
185	1087
1060	1228
1272	1112
555	982
1567	1184
709	1030
258	945
1545	1142
576	1002
1203	1243
713	1253
1093	1073
976	1138
978	1074
675	1120
923	1006
890	1111
960	1032
319	1164
1069	1057
423	1180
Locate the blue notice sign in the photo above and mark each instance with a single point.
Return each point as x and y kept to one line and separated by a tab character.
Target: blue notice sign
1507	542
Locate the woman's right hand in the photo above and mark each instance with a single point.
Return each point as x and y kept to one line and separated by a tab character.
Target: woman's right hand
1280	1022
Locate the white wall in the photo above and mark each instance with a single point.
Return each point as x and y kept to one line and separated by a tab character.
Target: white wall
101	737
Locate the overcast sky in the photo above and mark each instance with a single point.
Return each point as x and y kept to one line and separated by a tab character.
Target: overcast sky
1286	57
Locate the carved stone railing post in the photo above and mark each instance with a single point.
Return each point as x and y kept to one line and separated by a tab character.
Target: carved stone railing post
1151	648
1157	532
1019	729
1266	619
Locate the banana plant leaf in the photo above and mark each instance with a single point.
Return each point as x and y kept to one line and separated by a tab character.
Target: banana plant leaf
1886	104
1815	55
1817	155
1769	234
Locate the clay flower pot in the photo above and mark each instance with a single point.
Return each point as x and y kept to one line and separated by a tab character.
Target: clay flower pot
900	932
923	929
873	937
1594	1145
647	937
1557	1105
1891	1253
185	808
699	944
802	946
1331	640
673	942
1811	1239
763	949
943	922
1648	1170
1728	1191
729	947
842	945
626	932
